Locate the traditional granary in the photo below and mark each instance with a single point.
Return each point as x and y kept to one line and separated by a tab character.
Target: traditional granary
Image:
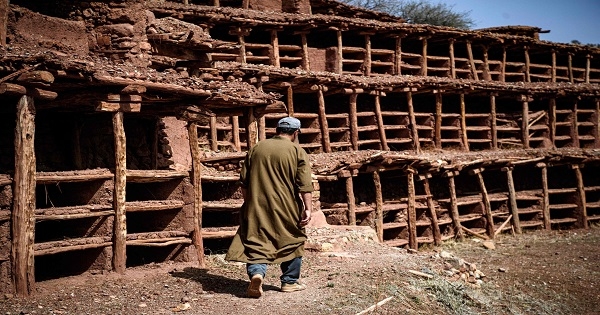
124	124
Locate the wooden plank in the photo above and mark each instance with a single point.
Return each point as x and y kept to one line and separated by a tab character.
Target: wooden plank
413	122
120	182
438	120
353	122
380	126
197	184
582	217
494	122
323	122
47	217
525	124
351	201
463	122
486	205
437	235
378	206
512	197
412	212
552	117
23	220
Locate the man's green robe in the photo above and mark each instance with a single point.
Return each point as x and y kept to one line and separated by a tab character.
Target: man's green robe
274	172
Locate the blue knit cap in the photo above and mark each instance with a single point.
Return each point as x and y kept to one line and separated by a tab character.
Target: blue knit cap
289	122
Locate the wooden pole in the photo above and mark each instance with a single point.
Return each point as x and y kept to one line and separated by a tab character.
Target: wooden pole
486	64
120	222
197	182
251	128
4	9
216	3
378	206
575	132
380	126
290	100
512	197
553	73
353	122
214	143
527	65
553	121
458	232
262	132
340	53
437	235
438	120
463	122
582	218
525	125
597	124
570	60
412	211
587	68
305	57
242	42
323	123
22	216
235	130
368	57
546	200
452	61
275	49
424	58
486	203
413	122
398	56
472	61
494	121
503	65
351	201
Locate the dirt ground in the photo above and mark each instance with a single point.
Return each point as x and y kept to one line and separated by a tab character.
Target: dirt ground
535	273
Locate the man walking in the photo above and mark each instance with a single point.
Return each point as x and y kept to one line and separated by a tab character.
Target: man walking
277	189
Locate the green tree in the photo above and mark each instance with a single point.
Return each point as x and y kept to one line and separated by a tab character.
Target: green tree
419	11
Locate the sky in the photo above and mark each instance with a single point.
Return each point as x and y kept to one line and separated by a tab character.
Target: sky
567	20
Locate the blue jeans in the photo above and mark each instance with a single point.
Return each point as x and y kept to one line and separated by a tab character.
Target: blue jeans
290	270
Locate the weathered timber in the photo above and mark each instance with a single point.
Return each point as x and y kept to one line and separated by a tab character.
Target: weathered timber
380	126
161	87
62	249
501	227
413	122
52	178
120	181
160	242
368	57
197	183
552	117
503	65
133	89
4	9
12	89
38	76
587	69
153	205
412	211
473	233
553	73
582	218
235	132
48	217
424	56
290	100
103	106
340	53
437	235
486	64
486	204
5	180
36	93
353	122
305	56
323	123
463	122
472	62
19	72
398	56
597	124
378	206
214	144
454	207
494	122
570	66
251	128
351	200
438	120
452	61
275	61
525	124
262	129
575	125
512	197
527	65
23	220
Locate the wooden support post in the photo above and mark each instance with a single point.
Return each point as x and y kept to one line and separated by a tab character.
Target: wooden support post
197	182
472	62
398	56
413	122
214	143
527	65
262	132
486	64
120	222
235	132
546	200
553	73
525	124
503	65
512	197
216	3
587	68
22	216
570	60
323	123
242	42
251	128
494	121
463	122
575	128
582	218
597	124
486	203
458	232
351	201
368	56
438	119
378	206
452	61
340	52
437	235
290	100
552	117
412	211
380	126
305	57
4	9
353	122
245	4
275	49
424	57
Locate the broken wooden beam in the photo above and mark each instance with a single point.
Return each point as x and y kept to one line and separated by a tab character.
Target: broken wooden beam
501	227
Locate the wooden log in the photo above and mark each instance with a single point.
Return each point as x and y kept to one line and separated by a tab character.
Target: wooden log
527	65
597	124
214	143
582	218
472	62
216	3
413	122
553	73
452	61
546	199
57	217
305	53
575	126
340	53
525	124
371	308
587	68
4	9
380	126
12	89
463	122
487	206
133	89
499	230
570	66
23	220
368	57
38	76
473	233
494	122
378	206
486	64
120	181
412	212
275	61
437	235
424	56
262	129
235	132
454	207
197	184
162	87
242	43
438	120
503	65
512	197
251	129
290	100
353	122
323	123
62	249
36	93
160	242
350	199
398	56
552	117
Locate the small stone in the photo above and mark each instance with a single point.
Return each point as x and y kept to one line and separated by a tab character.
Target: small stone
142	305
8	296
326	247
448	273
473	267
185	299
444	254
489	245
501	269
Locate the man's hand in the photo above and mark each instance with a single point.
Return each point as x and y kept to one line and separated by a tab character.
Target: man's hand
306	214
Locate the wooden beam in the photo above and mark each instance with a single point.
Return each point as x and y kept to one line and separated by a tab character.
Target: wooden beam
22	216
570	61
351	201
368	57
323	123
487	206
458	232
552	117
37	76
290	100
251	128
413	122
438	120
587	68
553	73
197	183
214	143
305	53
412	212
512	197
494	122
120	182
340	53
398	56
437	235
503	65
546	199
118	107
4	9
275	49
452	61
133	89
582	218
527	65
380	126
463	122
262	128
575	127
597	125
424	57
486	64
525	124
235	132
353	122
378	206
242	42
472	62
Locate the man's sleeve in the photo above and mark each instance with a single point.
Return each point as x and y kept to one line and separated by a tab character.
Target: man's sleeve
244	171
303	176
